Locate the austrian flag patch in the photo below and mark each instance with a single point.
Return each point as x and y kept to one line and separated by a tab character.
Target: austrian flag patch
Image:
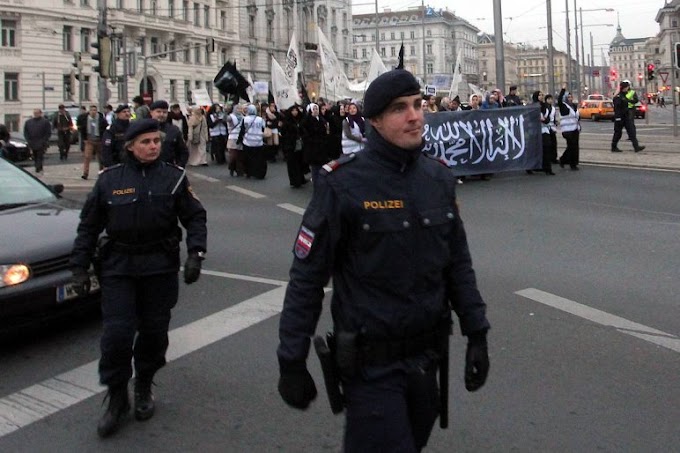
304	242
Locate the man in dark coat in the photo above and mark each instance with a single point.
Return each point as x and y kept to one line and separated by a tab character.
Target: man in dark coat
37	132
112	143
174	149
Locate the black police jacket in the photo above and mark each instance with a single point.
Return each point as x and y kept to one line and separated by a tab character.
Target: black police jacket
138	206
385	225
113	144
173	148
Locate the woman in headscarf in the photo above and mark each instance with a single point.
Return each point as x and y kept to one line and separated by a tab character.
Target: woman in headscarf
291	143
353	130
234	118
315	132
547	134
218	133
569	124
272	118
197	138
335	117
251	134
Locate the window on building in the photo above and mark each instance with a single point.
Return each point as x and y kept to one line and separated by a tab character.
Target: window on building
85	40
270	30
430	68
206	16
382	51
392	35
85	88
251	26
393	52
67	38
197	84
187	91
429	33
209	88
84	3
154	7
197	14
66	87
207	56
373	37
140	6
253	59
185	10
173	90
12	122
171	8
119	5
363	53
197	55
141	42
413	34
402	35
172	47
429	49
223	20
354	54
344	21
8	29
382	36
223	56
363	38
187	54
154	45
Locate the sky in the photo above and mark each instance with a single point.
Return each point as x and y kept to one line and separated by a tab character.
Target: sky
522	19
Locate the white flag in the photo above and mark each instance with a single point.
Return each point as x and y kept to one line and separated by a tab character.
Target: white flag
457	76
293	64
376	68
335	82
285	94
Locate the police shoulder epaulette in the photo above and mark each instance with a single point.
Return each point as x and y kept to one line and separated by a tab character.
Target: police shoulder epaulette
438	159
109	168
335	164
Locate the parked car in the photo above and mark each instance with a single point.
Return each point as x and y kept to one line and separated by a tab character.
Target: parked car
73	111
596	110
640	110
16	149
38	229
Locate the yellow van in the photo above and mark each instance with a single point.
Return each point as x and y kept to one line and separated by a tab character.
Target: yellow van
596	110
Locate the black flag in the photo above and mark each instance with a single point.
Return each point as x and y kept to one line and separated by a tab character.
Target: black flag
400	64
231	83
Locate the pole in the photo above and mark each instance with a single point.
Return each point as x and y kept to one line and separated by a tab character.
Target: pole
566	6
578	66
144	80
551	62
80	85
377	29
674	64
124	91
500	52
424	65
592	62
43	90
583	54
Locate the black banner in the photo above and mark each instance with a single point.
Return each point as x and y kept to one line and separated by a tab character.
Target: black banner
474	142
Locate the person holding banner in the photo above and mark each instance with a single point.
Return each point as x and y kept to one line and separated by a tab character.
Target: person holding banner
571	129
385	225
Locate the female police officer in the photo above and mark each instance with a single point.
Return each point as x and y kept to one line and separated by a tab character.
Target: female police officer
384	223
138	203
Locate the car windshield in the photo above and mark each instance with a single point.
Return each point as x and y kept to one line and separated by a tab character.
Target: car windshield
18	188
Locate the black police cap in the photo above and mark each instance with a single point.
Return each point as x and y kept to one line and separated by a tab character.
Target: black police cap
386	88
139	127
122	107
159	105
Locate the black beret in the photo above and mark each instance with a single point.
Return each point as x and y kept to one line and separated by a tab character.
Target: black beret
122	107
513	87
140	127
159	105
386	88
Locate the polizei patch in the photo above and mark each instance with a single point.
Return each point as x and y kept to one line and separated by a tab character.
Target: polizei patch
304	242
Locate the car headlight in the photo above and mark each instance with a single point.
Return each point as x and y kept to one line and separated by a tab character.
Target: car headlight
13	274
17	144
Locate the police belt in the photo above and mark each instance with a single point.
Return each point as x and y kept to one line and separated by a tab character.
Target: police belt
164	245
383	352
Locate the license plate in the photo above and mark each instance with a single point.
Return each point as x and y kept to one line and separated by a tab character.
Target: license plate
66	292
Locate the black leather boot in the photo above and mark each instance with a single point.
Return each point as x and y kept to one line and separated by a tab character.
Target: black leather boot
144	404
119	406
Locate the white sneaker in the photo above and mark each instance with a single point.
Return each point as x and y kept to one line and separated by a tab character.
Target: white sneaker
459	181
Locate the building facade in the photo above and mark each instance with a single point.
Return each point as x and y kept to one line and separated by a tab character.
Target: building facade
628	61
179	45
432	40
662	50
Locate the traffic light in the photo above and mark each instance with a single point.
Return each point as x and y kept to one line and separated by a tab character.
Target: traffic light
613	74
650	71
103	54
676	64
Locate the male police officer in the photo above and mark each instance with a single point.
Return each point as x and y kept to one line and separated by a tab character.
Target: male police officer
173	147
113	151
138	203
623	117
385	225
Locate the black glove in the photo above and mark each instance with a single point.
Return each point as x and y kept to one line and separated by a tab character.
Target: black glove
296	385
80	281
192	268
476	361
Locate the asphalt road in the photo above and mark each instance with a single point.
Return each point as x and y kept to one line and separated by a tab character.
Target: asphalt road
579	270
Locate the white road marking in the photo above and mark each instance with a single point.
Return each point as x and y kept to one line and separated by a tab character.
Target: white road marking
601	317
292	208
250	193
38	401
203	177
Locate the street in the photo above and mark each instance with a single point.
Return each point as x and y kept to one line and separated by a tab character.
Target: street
579	271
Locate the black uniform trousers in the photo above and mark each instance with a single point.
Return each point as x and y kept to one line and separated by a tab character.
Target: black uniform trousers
549	150
64	143
627	123
571	154
391	410
136	317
